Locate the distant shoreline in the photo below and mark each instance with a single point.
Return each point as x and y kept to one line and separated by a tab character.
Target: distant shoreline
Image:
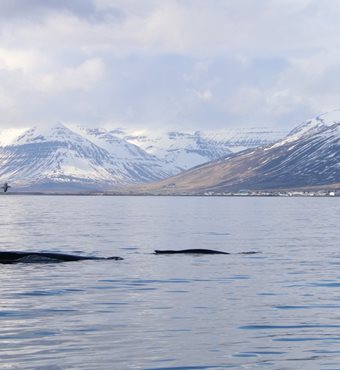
239	195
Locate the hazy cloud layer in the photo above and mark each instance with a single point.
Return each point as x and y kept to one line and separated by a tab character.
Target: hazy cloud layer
189	64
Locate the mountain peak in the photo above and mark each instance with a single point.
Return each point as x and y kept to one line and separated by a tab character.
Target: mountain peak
37	134
59	126
308	157
317	124
312	126
57	157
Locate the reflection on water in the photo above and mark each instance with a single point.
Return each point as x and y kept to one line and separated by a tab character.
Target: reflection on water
277	309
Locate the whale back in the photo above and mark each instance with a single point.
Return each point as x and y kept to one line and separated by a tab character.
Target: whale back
45	257
190	251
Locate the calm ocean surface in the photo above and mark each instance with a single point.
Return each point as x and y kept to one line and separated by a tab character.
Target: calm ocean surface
278	310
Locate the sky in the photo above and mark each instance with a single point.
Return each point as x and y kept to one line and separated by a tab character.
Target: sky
168	64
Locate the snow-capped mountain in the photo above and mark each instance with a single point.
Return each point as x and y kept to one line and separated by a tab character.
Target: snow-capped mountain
58	157
184	150
313	126
118	147
307	157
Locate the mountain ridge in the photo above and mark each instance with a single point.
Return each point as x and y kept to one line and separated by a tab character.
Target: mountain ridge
184	150
308	156
62	158
58	157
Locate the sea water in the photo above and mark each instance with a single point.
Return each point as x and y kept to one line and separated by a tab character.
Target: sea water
279	309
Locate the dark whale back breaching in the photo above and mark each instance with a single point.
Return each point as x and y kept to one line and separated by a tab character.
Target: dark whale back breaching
196	251
42	257
190	251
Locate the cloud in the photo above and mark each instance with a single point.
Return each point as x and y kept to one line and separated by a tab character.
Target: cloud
17	59
169	63
204	95
81	77
37	10
6	103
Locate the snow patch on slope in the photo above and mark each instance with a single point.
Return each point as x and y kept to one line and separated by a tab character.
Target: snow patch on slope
312	127
8	136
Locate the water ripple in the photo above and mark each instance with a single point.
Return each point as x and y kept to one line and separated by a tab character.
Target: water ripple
278	310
